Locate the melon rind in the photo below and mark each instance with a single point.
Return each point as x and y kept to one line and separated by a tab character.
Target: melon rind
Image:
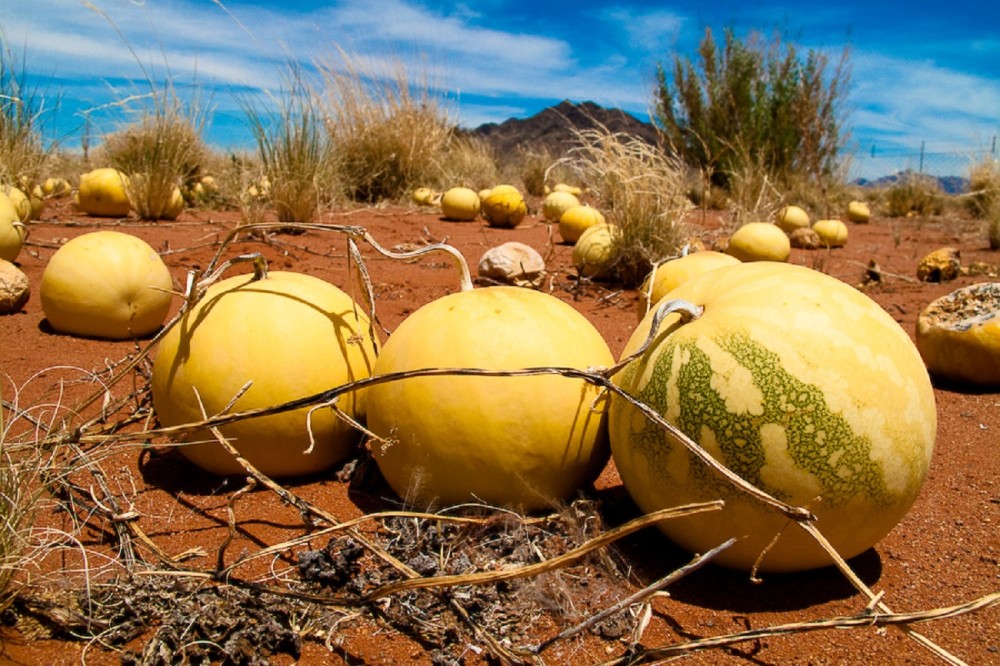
800	384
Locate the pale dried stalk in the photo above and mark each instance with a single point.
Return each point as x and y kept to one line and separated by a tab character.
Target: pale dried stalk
698	562
566	559
867	619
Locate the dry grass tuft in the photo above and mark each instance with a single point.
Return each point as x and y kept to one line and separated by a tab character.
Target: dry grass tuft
294	152
19	472
387	135
914	193
753	197
984	197
24	157
160	150
469	161
641	190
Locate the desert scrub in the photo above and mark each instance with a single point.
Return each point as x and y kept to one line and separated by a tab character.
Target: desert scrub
387	136
914	193
782	108
993	230
641	190
24	156
160	149
469	161
293	150
983	200
753	193
534	165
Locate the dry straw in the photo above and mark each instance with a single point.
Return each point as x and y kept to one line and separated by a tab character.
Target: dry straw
388	134
24	157
641	190
294	153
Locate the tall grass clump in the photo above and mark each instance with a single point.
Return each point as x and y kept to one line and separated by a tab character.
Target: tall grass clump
387	135
753	194
293	149
753	101
640	189
470	161
984	196
24	156
534	166
916	194
160	150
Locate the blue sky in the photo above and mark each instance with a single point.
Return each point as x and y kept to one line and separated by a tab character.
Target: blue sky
923	73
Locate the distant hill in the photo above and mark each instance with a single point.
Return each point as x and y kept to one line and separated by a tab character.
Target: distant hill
554	128
948	184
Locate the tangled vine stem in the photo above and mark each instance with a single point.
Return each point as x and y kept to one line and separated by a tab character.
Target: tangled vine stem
686	309
465	277
600	378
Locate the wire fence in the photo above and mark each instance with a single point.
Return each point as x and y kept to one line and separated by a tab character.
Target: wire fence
875	162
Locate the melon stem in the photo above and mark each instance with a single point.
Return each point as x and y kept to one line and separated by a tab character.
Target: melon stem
688	312
465	277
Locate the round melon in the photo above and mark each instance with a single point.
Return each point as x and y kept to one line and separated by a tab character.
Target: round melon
791	218
289	335
106	284
20	201
759	241
175	206
832	233
858	212
103	193
799	384
958	335
574	221
593	252
36	200
461	204
670	274
556	203
517	441
504	208
12	230
423	196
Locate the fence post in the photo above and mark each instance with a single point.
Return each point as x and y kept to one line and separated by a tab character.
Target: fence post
921	170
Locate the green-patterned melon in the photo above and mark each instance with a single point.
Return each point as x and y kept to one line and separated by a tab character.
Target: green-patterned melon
798	383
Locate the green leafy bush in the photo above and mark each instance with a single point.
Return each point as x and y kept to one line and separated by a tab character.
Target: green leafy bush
750	102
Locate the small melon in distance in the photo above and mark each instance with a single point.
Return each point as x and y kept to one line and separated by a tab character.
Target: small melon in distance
576	220
791	218
103	192
832	233
460	204
759	241
670	274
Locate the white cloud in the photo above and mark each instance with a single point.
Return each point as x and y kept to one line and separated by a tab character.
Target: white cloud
648	31
912	101
478	51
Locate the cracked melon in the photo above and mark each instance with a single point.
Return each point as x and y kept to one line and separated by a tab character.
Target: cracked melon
798	383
